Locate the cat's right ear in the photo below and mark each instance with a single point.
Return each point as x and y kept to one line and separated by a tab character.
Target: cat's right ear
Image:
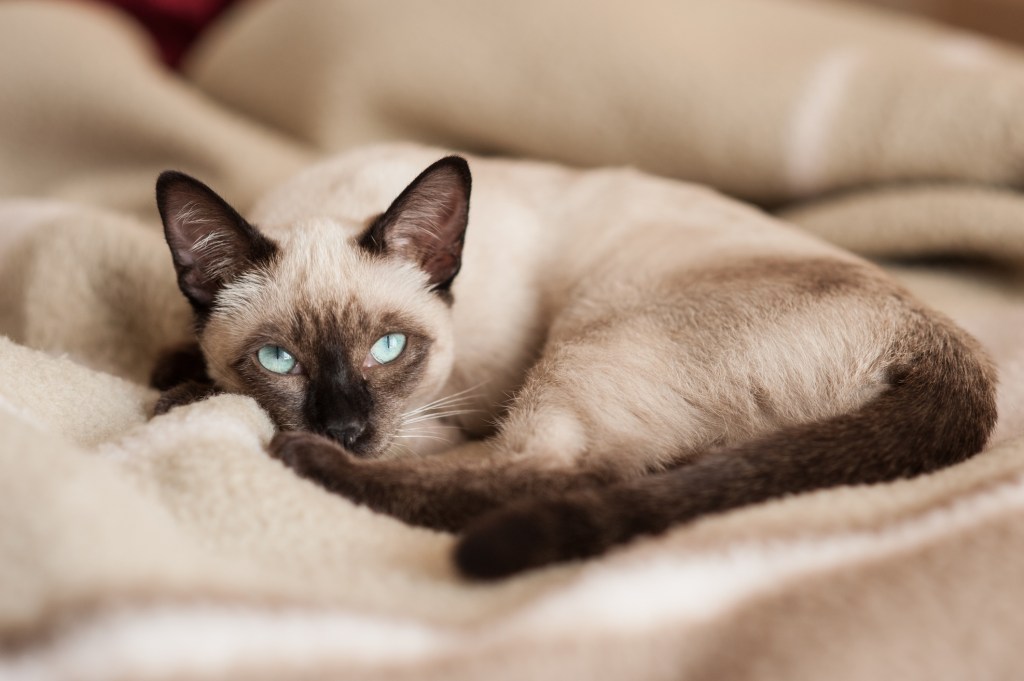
210	242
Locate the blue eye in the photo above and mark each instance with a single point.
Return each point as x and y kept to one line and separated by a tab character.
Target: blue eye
388	348
277	359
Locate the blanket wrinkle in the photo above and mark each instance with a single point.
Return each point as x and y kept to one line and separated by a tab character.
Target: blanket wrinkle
173	547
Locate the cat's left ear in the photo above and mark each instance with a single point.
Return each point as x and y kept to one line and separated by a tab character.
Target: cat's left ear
426	224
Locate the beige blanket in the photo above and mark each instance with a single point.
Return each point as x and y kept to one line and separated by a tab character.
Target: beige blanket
174	548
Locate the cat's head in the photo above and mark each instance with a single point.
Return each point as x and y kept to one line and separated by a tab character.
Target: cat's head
331	327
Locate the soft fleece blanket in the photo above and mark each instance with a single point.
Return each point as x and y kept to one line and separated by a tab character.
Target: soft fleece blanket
174	548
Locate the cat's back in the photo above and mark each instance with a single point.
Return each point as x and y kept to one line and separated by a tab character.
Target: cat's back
362	182
536	201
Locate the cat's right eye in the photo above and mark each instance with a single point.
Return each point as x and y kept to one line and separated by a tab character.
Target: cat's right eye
276	359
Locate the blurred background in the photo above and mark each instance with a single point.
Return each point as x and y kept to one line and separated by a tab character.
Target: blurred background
999	18
175	24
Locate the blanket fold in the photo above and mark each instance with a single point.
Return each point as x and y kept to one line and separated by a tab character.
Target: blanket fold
953	220
770	101
91	116
173	547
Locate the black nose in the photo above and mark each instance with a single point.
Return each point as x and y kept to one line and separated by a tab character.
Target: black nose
346	432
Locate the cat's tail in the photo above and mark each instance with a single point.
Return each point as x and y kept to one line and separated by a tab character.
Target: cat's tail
938	410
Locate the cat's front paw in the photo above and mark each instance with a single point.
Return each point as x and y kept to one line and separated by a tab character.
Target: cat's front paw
183	393
311	456
177	365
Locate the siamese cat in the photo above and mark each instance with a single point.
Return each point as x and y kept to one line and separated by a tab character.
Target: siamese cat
599	355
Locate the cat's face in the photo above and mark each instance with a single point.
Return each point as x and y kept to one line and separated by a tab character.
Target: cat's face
335	328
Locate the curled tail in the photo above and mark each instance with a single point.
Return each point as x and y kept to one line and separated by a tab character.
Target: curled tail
938	410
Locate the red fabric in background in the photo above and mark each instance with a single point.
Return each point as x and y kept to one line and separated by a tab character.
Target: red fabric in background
174	24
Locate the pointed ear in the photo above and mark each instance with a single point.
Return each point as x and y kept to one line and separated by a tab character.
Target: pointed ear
426	224
210	242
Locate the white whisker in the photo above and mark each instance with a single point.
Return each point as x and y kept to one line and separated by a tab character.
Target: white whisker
440	404
402	447
438	407
440	415
423	437
427	428
447	400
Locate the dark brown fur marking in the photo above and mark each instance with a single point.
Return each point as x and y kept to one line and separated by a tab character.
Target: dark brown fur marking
192	212
789	282
431	492
182	394
180	375
179	365
436	245
331	346
939	410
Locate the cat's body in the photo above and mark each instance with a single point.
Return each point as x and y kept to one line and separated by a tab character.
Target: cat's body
605	326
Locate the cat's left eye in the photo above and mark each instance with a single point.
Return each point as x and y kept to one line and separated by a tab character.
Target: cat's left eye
388	348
